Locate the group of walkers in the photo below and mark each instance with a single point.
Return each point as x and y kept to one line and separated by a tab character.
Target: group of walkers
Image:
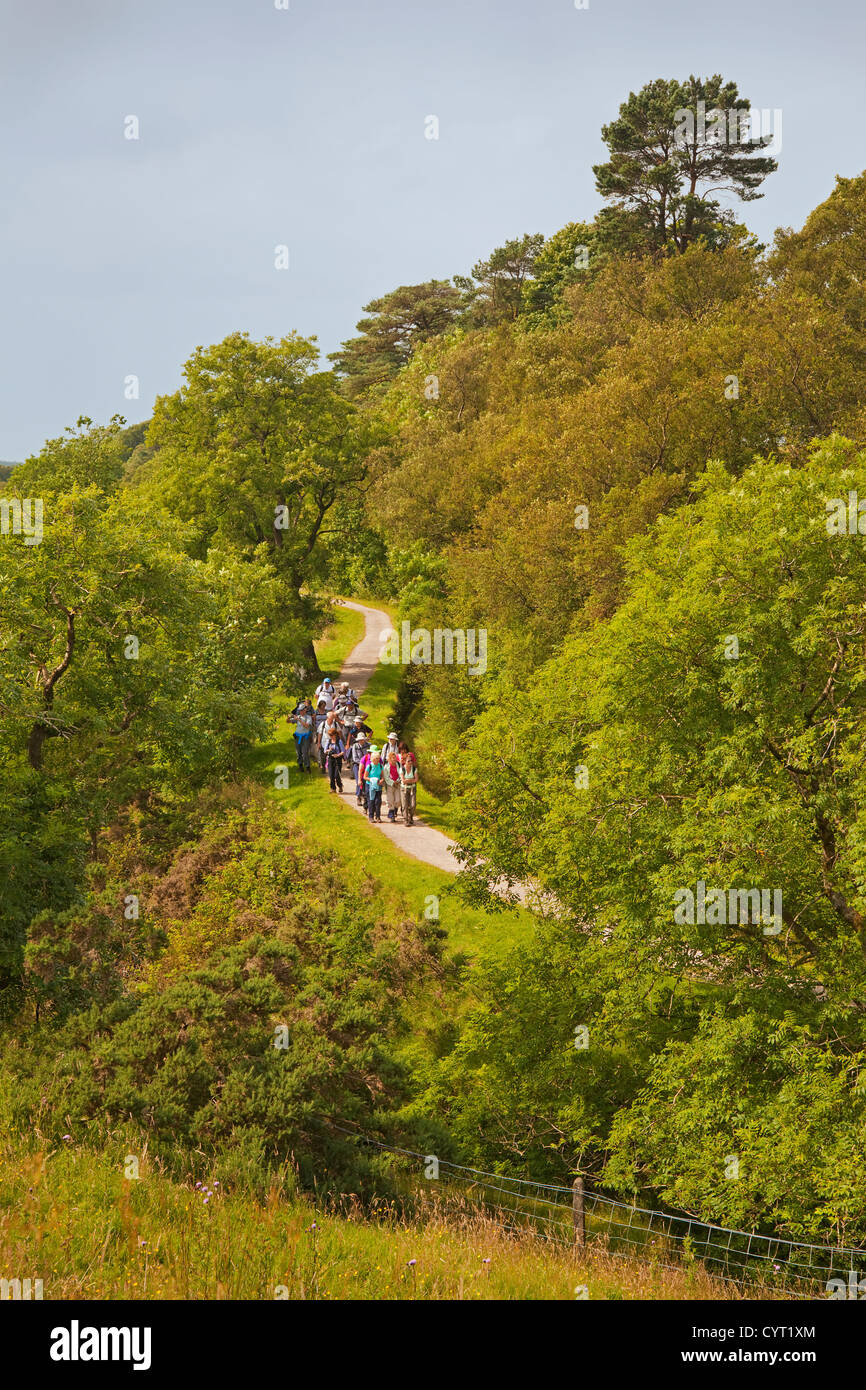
333	730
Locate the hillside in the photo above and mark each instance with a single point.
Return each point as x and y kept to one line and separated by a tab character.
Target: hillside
584	528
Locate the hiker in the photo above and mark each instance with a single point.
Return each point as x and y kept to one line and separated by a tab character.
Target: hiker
349	710
360	722
403	748
360	751
332	730
373	775
335	749
351	731
355	725
321	716
302	718
342	697
363	766
392	746
392	783
408	783
326	692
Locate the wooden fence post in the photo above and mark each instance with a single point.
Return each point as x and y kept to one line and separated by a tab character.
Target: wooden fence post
578	1213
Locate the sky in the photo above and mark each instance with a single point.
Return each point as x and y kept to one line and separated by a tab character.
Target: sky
306	127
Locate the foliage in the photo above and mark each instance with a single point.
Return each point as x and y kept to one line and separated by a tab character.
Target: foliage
271	1013
398	323
495	289
712	736
662	165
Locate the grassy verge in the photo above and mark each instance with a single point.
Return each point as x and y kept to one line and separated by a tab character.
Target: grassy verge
405	886
344	633
379	701
154	1238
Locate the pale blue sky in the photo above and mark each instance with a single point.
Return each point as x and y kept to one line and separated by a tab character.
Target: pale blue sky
306	127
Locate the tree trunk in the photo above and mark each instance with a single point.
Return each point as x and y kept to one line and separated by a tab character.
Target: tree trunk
38	734
310	661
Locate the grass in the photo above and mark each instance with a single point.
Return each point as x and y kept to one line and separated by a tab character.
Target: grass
379	699
405	885
338	639
71	1219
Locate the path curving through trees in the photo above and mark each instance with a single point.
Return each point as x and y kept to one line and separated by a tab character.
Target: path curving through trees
418	840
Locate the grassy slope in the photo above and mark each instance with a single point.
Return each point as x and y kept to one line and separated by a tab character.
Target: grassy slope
71	1219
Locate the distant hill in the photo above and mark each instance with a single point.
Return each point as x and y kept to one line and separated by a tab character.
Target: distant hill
5	469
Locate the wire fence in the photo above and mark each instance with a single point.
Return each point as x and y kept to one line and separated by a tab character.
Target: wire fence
592	1221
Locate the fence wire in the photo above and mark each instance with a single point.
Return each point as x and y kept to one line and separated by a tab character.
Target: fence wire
795	1269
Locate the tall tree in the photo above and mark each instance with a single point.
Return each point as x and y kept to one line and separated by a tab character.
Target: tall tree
494	291
672	145
255	451
398	322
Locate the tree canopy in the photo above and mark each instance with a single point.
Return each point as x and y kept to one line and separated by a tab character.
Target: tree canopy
672	144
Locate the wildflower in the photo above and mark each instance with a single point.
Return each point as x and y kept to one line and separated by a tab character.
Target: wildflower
67	1136
412	1262
198	1184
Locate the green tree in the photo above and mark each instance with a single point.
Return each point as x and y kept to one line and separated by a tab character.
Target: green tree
85	455
672	144
130	675
257	452
494	291
566	258
398	323
709	742
271	1021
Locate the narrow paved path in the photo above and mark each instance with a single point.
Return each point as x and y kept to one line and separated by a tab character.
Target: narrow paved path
419	840
363	659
